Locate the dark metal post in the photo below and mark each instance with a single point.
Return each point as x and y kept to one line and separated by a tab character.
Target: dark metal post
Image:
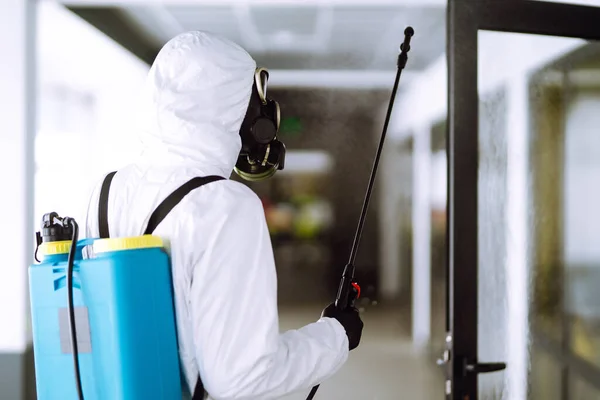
463	145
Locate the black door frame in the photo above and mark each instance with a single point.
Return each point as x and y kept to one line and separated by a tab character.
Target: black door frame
465	19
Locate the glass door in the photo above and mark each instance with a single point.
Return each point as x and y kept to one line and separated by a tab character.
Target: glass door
524	190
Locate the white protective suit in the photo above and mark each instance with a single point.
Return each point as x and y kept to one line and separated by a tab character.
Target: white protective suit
224	274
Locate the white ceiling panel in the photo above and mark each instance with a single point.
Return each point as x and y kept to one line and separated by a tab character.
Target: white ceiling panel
318	36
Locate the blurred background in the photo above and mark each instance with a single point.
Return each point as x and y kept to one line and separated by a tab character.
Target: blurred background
71	71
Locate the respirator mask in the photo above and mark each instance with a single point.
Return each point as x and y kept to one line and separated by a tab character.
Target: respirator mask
261	154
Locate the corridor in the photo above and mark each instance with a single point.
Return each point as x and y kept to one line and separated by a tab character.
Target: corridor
383	367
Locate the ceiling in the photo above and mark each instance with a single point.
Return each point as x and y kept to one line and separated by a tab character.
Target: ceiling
288	35
307	37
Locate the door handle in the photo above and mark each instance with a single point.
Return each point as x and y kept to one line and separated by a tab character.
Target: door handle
484	368
444	360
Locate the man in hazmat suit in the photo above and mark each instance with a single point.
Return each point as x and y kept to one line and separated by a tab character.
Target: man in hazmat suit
205	113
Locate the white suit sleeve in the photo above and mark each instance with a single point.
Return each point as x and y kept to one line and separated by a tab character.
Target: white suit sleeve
240	352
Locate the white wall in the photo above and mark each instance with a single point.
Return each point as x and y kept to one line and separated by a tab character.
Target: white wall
70	50
439	180
88	85
17	119
421	225
422	100
394	178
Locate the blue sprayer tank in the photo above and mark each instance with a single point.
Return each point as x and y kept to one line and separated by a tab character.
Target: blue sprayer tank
126	333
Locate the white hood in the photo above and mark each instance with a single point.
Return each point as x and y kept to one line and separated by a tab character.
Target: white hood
195	100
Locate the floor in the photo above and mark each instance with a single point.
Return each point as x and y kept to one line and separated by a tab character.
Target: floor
383	367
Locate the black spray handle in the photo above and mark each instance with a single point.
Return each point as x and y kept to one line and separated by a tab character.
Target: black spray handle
348	291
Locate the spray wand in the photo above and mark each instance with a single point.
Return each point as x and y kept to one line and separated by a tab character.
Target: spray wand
349	290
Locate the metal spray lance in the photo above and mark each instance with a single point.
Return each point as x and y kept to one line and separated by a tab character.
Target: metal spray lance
349	290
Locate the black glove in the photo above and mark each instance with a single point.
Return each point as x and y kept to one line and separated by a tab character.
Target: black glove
350	320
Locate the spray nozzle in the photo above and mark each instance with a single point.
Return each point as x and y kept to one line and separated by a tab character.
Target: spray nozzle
408	34
405	47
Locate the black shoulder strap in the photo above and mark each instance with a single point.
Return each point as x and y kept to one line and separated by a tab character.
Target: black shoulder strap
103	206
174	198
156	218
199	392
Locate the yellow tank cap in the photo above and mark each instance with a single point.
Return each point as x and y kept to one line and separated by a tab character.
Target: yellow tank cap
55	248
127	243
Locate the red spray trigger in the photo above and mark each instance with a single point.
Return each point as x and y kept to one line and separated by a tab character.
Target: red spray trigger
357	288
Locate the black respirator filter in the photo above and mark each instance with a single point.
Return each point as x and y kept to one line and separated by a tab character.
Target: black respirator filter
262	155
262	162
